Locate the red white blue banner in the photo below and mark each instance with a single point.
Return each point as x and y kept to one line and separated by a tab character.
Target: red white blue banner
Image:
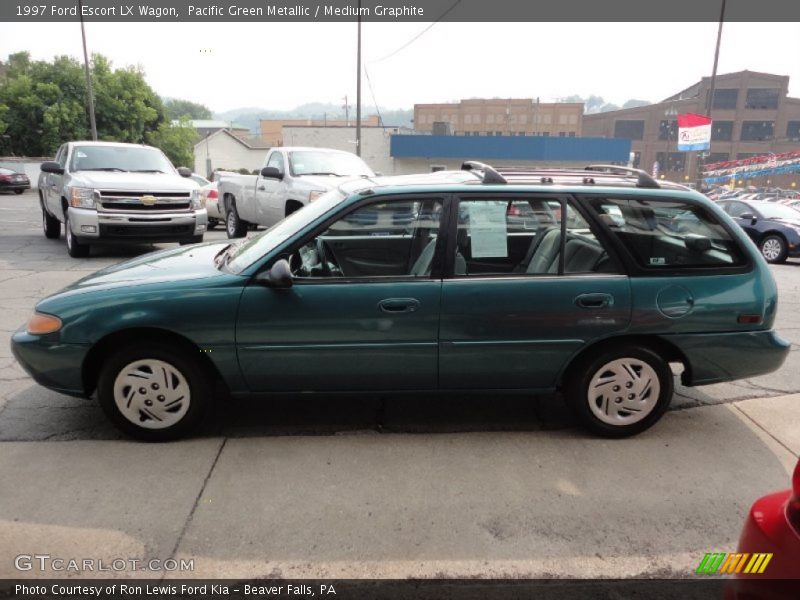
694	132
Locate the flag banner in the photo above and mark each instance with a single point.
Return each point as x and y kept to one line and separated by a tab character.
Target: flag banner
765	165
694	132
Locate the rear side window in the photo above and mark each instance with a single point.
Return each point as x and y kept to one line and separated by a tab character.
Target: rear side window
668	234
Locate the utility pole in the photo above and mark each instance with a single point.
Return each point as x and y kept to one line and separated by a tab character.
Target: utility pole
89	91
710	97
346	108
358	85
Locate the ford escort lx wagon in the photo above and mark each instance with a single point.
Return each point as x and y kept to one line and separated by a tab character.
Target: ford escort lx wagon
590	281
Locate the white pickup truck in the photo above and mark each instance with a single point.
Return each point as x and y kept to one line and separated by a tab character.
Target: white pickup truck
291	178
108	192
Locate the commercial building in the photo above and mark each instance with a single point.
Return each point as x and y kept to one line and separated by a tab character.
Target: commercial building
752	115
501	116
272	129
224	150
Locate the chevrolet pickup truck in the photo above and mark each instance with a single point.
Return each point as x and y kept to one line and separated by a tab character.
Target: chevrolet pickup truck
291	178
108	192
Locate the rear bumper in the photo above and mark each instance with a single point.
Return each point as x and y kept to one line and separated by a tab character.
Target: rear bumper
717	357
91	226
52	364
12	187
767	530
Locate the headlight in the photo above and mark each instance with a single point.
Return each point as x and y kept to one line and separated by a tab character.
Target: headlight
196	202
313	195
40	324
82	197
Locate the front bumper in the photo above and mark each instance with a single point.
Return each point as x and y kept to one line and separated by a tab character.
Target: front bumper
54	365
717	357
91	226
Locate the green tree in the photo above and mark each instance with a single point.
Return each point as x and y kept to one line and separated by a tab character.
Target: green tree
177	109
176	141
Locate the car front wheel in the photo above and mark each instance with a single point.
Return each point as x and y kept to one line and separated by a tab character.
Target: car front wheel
154	392
773	249
51	226
235	227
74	248
620	391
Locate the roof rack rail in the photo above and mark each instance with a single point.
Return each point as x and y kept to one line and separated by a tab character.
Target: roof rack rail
644	180
489	173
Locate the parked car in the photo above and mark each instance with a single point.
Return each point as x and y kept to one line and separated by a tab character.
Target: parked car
107	192
770	546
12	181
596	301
292	177
199	179
775	228
209	197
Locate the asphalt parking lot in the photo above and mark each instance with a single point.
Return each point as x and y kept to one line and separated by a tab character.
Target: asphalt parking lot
379	486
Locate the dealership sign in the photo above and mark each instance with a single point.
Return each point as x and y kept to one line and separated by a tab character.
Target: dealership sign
694	132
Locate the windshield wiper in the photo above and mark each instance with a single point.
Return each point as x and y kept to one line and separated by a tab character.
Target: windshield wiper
106	169
147	171
322	173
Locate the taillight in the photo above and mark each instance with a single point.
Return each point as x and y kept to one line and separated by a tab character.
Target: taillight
5	177
212	194
793	508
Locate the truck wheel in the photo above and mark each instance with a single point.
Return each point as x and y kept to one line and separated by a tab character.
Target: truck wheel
74	248
18	191
235	227
51	225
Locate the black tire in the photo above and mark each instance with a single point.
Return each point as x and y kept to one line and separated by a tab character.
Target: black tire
50	225
18	191
212	223
579	378
178	358
234	226
75	248
774	248
197	239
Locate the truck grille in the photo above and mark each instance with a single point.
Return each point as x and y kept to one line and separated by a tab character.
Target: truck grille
123	202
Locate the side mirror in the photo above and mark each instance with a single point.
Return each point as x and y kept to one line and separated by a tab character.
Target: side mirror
749	217
271	173
184	171
279	276
52	167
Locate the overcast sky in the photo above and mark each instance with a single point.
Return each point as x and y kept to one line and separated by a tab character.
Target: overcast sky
279	66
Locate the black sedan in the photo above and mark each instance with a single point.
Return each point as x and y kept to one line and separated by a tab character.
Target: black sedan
775	228
11	181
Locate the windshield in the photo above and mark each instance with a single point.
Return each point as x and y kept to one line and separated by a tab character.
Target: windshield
310	162
251	249
119	158
777	211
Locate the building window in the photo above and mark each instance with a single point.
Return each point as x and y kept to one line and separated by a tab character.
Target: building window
630	130
726	99
546	134
573	119
637	159
523	119
468	119
793	131
676	162
715	157
476	133
763	98
547	119
722	130
562	119
498	133
754	131
668	130
435	168
489	118
562	134
571	134
520	133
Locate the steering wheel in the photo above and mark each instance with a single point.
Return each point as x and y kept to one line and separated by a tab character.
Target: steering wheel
329	267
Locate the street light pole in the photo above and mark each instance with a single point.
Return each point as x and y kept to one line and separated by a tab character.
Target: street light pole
710	97
358	86
669	113
89	91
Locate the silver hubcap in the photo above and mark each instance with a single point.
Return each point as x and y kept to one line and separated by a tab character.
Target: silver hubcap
68	232
231	222
151	393
771	249
623	391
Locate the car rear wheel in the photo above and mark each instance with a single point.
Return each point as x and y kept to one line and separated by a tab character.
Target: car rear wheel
154	392
74	248
620	391
235	227
18	191
51	226
212	223
774	249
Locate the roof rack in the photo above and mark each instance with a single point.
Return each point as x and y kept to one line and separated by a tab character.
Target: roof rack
585	176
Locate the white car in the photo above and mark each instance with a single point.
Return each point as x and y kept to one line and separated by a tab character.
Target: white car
209	198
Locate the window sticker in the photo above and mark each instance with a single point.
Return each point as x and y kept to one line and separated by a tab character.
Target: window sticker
487	229
658	260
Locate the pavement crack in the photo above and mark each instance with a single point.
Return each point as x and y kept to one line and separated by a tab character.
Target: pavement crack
757	424
190	517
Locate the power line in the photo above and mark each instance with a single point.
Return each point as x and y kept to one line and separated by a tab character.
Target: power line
374	99
420	34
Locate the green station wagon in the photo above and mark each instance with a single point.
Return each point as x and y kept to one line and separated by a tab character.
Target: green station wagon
593	282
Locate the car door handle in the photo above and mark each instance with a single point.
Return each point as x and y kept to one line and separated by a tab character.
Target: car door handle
595	300
261	188
395	306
